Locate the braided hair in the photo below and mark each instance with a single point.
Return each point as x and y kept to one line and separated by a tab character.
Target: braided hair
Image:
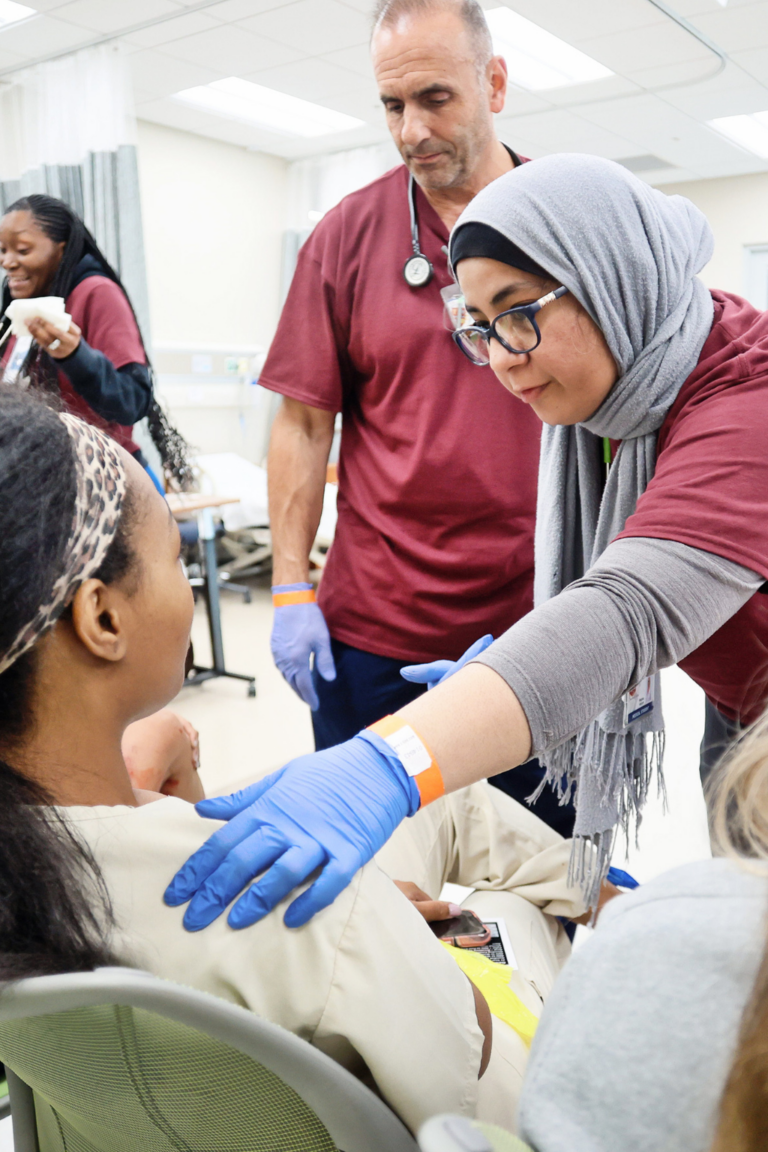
60	224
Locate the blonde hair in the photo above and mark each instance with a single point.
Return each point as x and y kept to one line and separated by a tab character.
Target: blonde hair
739	805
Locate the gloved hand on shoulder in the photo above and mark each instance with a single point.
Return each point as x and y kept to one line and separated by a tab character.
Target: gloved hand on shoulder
331	810
298	630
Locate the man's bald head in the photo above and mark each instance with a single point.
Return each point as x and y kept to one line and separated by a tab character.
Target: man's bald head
440	85
389	13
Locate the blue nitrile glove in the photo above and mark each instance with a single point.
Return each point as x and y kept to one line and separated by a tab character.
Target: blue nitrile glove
331	810
621	878
439	670
299	630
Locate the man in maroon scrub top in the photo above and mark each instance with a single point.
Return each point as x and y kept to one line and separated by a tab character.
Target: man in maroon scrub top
438	464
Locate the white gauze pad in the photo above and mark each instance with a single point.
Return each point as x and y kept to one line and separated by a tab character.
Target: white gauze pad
50	308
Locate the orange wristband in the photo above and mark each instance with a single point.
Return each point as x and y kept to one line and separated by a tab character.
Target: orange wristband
416	757
303	596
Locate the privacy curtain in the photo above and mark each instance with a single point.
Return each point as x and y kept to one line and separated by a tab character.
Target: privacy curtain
318	183
67	128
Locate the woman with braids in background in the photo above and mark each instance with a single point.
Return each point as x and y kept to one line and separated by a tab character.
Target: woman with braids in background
100	366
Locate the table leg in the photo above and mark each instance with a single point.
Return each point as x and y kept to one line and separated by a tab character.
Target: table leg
213	607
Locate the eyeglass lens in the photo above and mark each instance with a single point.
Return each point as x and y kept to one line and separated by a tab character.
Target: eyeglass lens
517	330
475	344
514	327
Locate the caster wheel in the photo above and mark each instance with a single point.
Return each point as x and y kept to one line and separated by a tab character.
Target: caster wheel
251	689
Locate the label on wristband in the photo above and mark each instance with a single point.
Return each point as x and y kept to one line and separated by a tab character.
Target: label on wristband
414	755
303	596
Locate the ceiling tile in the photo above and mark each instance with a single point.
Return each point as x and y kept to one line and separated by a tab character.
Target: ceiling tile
356	59
560	131
230	10
112	15
750	97
364	6
185	24
40	36
755	62
311	26
685	74
311	79
47	5
690	97
639	116
657	127
572	96
361	100
163	75
519	102
645	48
248	136
232	50
584	19
733	29
690	8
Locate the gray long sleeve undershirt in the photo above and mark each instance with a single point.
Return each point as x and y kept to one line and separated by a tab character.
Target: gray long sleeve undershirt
645	605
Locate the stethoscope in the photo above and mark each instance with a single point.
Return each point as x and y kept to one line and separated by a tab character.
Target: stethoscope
417	270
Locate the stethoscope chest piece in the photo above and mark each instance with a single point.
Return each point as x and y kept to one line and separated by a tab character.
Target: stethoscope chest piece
417	271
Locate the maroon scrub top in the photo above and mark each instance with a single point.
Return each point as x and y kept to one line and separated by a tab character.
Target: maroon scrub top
438	463
710	490
102	313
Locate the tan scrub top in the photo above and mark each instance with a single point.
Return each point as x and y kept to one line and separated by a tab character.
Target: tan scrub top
365	980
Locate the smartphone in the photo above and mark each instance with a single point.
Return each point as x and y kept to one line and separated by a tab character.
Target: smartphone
465	931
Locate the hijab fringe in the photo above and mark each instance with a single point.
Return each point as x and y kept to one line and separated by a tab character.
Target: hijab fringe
616	767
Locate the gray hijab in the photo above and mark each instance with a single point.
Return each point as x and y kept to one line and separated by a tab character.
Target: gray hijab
629	254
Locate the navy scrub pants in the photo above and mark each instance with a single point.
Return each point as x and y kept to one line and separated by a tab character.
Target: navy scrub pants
368	687
719	734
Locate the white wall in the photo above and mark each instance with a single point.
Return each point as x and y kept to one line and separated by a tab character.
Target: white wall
213	216
737	209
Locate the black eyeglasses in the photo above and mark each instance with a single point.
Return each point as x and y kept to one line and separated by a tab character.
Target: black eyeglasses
516	330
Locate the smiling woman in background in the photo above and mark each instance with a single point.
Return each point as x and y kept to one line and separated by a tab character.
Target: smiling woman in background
100	366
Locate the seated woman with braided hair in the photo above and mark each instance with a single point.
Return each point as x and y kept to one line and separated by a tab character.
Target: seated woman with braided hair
100	366
95	615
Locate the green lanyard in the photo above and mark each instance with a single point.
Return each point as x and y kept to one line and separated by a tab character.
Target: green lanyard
606	456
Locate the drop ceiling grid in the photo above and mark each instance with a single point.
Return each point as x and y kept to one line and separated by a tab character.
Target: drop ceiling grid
317	49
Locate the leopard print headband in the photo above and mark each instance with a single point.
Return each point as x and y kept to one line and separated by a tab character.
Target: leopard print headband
100	491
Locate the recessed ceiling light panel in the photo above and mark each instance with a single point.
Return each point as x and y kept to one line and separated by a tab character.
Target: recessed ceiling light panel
237	99
11	12
750	132
537	59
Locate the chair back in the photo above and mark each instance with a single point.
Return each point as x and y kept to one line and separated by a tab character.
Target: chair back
120	1061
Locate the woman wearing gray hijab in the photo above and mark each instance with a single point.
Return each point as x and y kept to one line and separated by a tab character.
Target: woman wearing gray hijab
652	540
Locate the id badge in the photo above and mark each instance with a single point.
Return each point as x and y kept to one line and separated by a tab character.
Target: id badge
455	314
638	701
16	360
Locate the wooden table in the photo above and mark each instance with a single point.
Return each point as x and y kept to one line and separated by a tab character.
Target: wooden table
183	504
